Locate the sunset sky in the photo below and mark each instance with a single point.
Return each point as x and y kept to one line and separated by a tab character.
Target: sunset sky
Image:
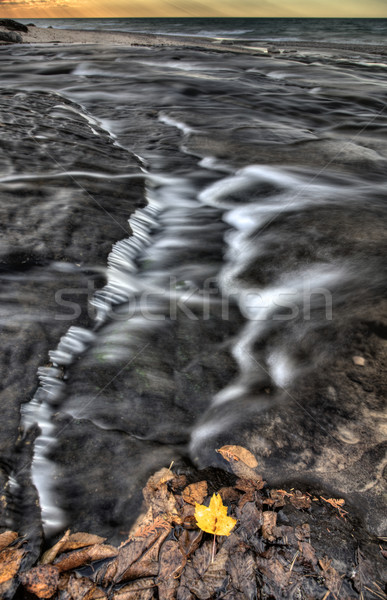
191	8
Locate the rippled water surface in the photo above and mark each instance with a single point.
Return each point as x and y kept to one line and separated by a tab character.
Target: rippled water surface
231	306
365	31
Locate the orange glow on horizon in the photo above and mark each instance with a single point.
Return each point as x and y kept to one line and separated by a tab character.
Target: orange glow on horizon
45	9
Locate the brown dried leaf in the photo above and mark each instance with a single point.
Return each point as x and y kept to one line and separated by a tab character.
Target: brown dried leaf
277	497
189	541
308	553
274	571
139	557
6	588
155	482
10	560
109	574
50	555
188	517
136	590
6	538
229	495
285	535
162	502
248	497
81	588
242	568
250	520
333	580
269	523
213	578
64	581
98	594
196	492
237	453
193	572
364	572
84	556
172	562
41	581
81	540
179	482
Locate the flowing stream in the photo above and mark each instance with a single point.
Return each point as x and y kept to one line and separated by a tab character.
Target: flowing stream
235	307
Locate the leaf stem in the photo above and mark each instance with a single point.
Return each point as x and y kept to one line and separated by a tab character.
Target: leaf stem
213	549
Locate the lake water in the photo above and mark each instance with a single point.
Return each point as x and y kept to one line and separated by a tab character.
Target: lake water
361	31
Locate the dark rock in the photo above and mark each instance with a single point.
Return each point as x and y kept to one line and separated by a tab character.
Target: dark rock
11	37
13	25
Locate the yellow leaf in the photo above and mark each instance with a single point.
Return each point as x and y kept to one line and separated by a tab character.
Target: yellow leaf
213	518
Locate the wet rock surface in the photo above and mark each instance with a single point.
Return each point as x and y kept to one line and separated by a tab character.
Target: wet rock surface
256	276
58	229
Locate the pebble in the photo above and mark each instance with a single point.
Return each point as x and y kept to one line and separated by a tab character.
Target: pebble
358	360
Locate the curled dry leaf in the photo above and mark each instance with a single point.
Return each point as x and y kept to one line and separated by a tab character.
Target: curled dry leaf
238	453
196	492
139	555
6	538
41	581
50	555
10	560
70	542
84	556
81	540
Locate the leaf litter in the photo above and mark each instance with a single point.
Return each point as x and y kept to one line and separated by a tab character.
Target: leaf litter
260	553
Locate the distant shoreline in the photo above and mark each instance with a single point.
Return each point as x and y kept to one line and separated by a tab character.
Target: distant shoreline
54	36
